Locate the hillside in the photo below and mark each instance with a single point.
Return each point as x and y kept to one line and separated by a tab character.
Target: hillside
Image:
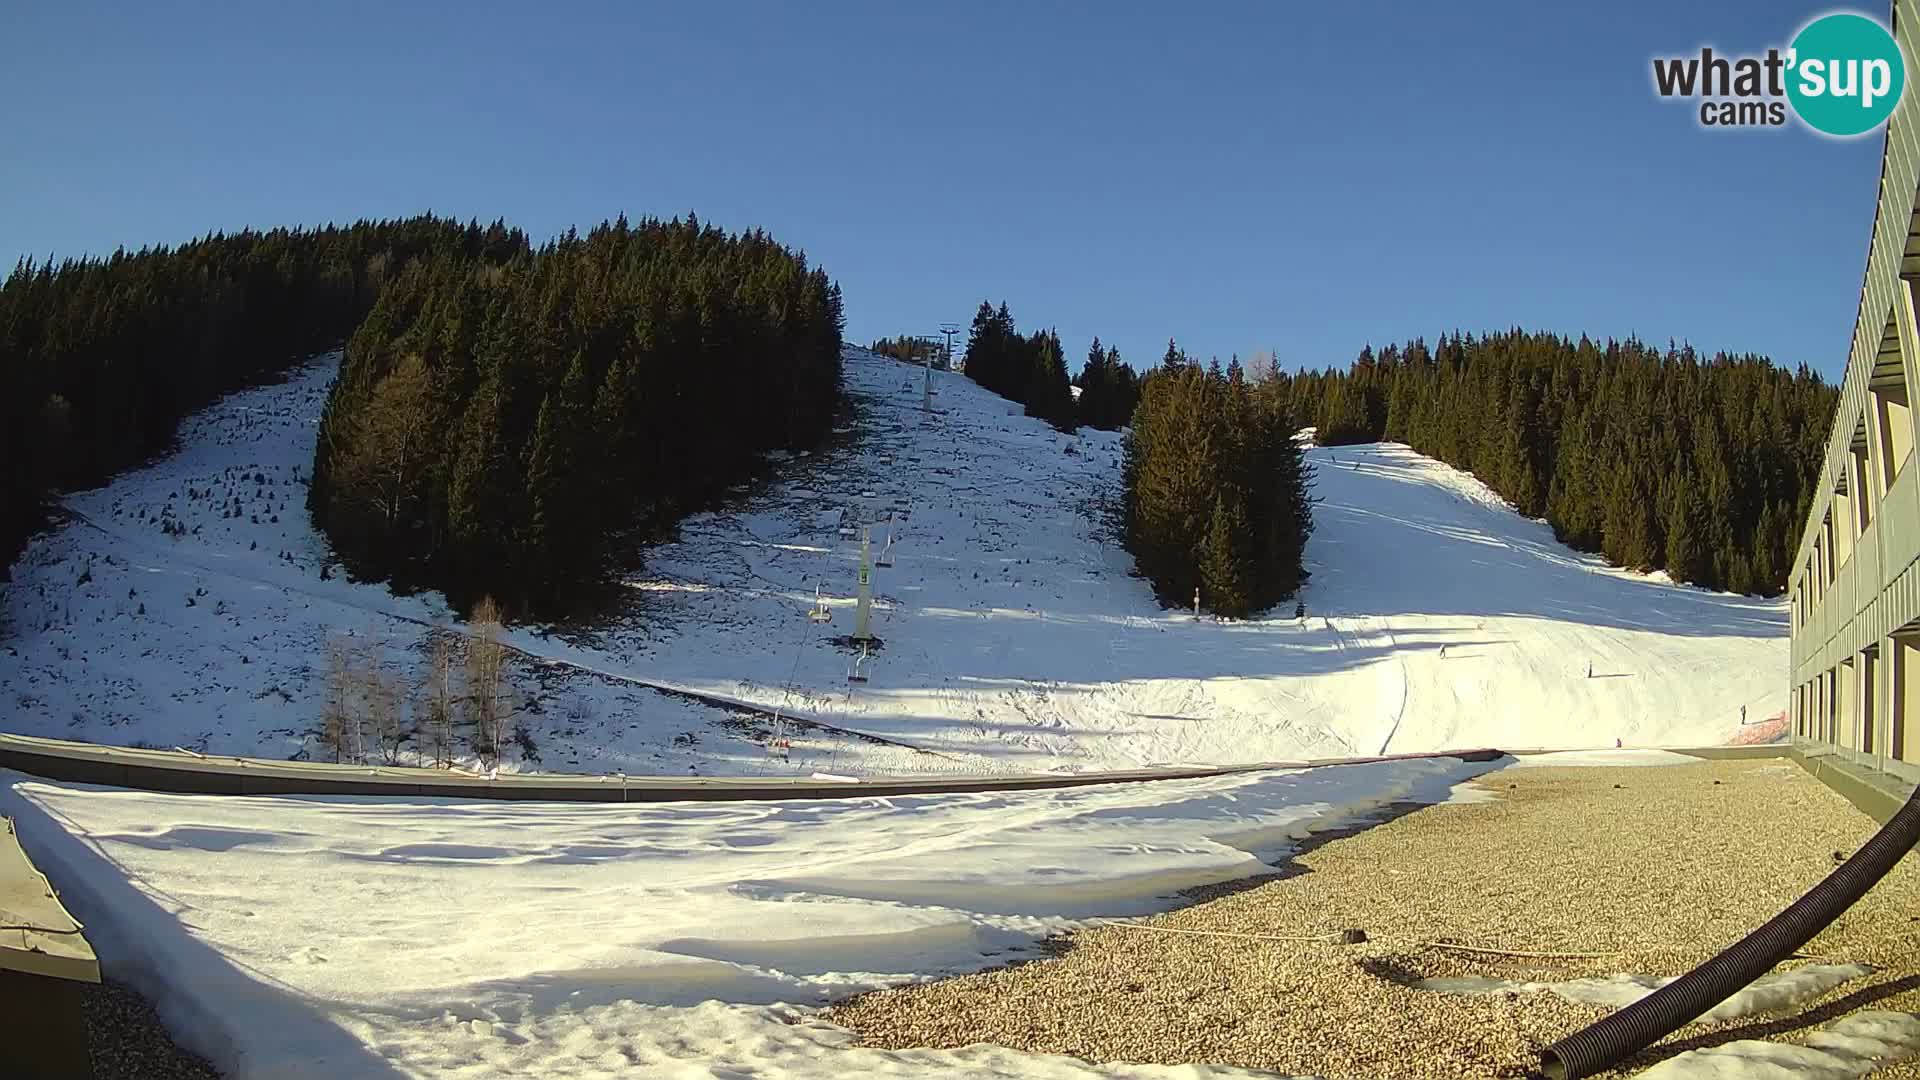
1014	636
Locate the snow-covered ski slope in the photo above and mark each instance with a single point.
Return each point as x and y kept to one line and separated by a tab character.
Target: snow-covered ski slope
1014	637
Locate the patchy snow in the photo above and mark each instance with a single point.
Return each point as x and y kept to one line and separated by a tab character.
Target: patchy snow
1769	993
1849	1047
347	937
1014	637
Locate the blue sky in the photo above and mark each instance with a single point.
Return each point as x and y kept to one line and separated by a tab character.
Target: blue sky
1238	176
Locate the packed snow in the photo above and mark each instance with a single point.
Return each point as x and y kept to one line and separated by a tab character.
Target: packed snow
184	605
349	937
1852	1046
1772	992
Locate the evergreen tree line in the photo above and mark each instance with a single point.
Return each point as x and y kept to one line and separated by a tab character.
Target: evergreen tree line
507	429
908	349
1109	389
100	358
1654	458
1032	371
1216	489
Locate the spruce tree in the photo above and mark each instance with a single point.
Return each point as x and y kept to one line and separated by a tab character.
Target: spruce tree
1175	358
1683	540
1096	406
1226	568
1123	390
1049	396
1217	491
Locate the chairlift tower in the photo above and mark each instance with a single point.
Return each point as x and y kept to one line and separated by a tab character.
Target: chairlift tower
949	329
863	612
929	347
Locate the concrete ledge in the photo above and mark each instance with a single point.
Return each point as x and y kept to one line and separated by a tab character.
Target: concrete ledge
187	772
198	774
1705	753
1877	794
1739	753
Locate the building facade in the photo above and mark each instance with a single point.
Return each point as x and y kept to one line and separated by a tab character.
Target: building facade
1854	595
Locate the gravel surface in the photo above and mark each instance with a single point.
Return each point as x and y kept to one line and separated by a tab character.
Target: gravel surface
128	1041
1659	867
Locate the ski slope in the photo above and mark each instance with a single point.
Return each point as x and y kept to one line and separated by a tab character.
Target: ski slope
1015	638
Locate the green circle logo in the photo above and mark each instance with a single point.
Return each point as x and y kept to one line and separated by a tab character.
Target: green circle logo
1845	74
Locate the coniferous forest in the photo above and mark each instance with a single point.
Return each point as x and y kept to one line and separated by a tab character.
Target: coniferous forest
485	382
1217	492
907	349
503	415
1654	458
101	358
1109	389
1032	370
499	429
1214	490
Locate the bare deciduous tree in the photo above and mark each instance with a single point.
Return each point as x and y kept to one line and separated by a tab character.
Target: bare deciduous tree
338	725
381	463
434	714
386	705
368	661
486	658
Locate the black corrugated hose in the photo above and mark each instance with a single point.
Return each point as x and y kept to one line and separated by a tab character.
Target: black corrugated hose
1680	1002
